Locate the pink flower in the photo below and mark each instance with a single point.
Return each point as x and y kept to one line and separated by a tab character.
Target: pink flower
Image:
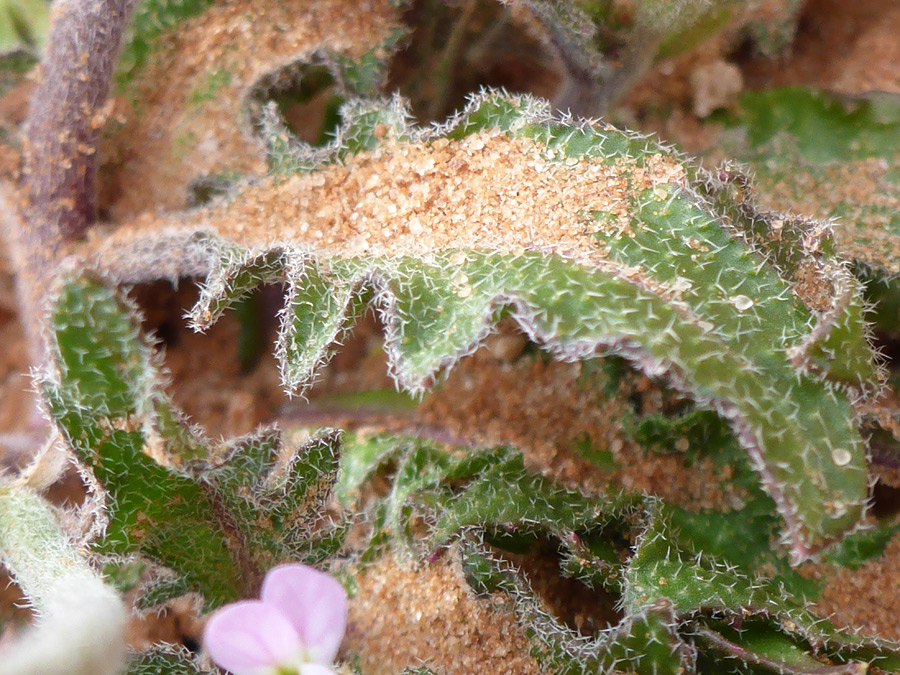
295	628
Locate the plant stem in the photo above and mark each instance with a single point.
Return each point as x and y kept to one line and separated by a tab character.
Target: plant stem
447	58
65	115
58	201
82	627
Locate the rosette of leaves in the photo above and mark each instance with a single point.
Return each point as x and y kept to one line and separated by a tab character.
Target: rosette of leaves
211	520
679	610
593	239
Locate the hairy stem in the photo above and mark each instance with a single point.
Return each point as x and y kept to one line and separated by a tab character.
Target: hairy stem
82	627
66	112
57	202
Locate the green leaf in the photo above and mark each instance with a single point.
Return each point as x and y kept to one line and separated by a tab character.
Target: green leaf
644	643
217	525
674	600
820	128
686	288
167	659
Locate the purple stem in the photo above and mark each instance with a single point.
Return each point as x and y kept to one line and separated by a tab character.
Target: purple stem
65	115
58	197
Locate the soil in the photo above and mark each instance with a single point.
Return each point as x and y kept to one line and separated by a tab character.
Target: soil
410	614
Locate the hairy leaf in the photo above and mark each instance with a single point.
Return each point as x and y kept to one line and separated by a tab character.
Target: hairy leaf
648	257
674	602
217	517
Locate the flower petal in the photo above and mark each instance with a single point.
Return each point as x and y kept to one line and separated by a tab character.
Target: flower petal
251	638
315	604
